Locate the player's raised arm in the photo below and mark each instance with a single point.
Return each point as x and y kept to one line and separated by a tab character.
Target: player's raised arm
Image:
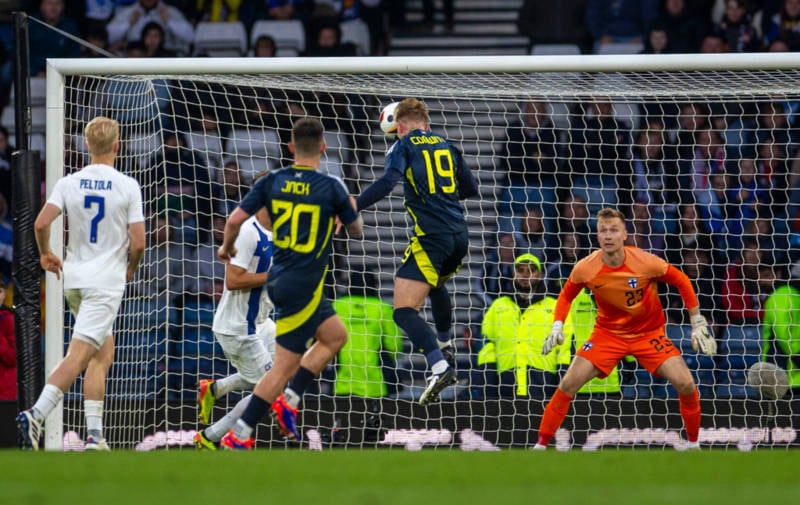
49	261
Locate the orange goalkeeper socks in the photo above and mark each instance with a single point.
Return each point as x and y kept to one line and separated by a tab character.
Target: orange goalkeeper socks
690	412
554	415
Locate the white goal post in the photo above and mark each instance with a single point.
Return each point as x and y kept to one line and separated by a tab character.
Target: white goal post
162	334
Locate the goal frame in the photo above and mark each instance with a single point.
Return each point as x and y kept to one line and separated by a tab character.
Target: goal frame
58	69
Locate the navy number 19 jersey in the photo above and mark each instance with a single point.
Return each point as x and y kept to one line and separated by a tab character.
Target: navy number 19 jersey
302	204
432	171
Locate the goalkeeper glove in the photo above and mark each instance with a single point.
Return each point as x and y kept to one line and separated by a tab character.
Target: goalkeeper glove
702	338
555	337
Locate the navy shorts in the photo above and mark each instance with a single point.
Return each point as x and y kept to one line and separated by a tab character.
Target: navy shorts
300	307
434	258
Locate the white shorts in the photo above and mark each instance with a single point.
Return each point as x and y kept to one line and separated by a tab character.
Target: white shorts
251	355
94	311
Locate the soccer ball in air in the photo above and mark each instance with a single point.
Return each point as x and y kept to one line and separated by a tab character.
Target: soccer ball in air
388	122
768	379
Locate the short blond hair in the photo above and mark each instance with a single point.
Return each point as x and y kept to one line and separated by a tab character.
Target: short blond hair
101	133
609	213
411	109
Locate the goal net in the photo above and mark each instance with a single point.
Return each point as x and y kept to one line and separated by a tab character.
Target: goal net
700	154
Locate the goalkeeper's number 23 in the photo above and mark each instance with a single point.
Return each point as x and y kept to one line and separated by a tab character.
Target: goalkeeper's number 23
286	237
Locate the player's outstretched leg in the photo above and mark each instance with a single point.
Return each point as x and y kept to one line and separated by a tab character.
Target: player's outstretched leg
436	383
30	429
205	399
286	417
231	442
202	442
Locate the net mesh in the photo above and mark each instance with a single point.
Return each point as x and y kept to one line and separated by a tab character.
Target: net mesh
702	163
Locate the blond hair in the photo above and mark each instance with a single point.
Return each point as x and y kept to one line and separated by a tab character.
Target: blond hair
411	109
609	213
101	133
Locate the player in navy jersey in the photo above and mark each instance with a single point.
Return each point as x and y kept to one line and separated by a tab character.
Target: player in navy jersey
302	205
435	179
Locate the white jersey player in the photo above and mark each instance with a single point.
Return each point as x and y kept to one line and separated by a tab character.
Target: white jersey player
242	327
106	243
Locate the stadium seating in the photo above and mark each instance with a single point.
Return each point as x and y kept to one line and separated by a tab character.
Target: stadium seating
288	34
555	49
220	39
356	32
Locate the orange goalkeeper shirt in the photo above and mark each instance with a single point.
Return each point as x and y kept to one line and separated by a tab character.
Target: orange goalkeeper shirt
627	295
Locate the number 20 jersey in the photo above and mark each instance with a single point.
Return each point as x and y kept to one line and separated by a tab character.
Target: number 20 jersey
302	204
100	203
431	169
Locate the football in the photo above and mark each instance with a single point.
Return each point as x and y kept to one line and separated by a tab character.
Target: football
768	379
387	121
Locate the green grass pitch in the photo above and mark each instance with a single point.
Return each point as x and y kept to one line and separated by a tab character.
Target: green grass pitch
398	477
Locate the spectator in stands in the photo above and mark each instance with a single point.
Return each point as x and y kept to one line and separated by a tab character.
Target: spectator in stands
373	13
713	43
707	157
128	22
232	190
153	36
697	264
532	236
778	46
785	25
163	263
599	144
692	233
654	177
772	174
657	41
684	29
573	247
373	340
781	331
46	43
737	29
514	328
692	117
272	10
6	239
328	42
96	35
574	217
560	22
203	271
623	21
498	270
531	156
264	47
8	348
135	49
742	294
205	139
643	233
213	11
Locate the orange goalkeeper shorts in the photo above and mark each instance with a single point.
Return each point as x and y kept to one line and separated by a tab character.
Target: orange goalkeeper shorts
604	350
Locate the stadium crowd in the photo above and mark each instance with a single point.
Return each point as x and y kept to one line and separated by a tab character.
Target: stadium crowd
711	187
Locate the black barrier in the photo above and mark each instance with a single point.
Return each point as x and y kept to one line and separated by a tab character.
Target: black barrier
26	181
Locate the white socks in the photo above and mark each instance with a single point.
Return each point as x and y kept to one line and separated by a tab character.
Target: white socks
47	401
94	417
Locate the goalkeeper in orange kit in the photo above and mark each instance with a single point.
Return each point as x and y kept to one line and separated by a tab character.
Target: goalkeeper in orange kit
630	321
